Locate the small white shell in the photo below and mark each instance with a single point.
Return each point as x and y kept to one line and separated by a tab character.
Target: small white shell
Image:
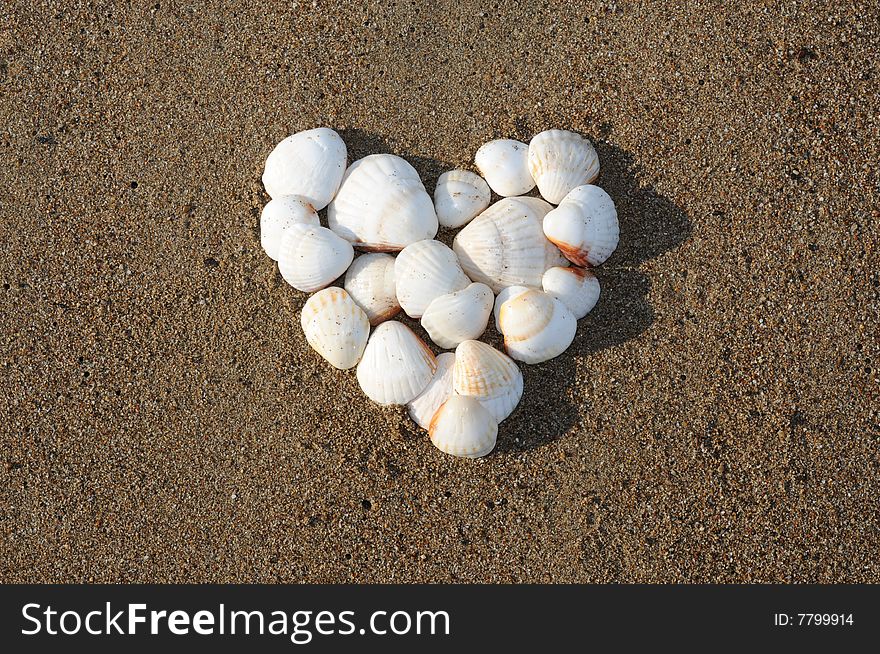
559	161
459	196
438	390
504	163
370	282
463	427
584	226
310	164
536	327
396	365
426	270
577	288
382	205
278	215
335	327
506	294
488	375
459	316
311	257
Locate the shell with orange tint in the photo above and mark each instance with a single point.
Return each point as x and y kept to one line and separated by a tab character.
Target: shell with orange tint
335	327
584	226
490	376
536	327
463	427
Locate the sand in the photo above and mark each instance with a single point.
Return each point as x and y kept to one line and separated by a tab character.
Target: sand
163	419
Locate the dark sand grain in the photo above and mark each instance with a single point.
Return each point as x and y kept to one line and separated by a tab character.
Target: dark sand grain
164	420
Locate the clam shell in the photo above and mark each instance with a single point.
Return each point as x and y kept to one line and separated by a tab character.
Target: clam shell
396	365
459	316
463	427
584	226
504	163
311	257
370	282
505	295
382	205
335	327
559	161
536	327
459	196
310	164
423	271
490	376
438	390
278	215
577	288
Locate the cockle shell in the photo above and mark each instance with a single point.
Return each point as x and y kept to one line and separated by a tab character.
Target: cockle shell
559	161
426	270
382	205
505	295
438	390
553	255
536	327
311	257
370	282
504	164
505	245
459	316
396	365
335	327
577	288
584	226
459	196
278	215
463	427
488	375
310	164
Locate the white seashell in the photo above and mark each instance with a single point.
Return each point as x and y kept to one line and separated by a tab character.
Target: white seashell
311	257
554	256
438	390
382	205
559	161
463	427
396	365
426	270
335	327
488	375
459	196
505	165
505	245
278	215
536	327
310	164
577	288
584	226
370	282
505	295
459	316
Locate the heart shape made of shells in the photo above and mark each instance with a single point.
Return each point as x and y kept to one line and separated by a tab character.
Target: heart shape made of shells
521	258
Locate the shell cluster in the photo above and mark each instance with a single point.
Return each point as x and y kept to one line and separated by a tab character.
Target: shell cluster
522	261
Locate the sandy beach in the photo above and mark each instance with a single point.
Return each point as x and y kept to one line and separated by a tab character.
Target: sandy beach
717	418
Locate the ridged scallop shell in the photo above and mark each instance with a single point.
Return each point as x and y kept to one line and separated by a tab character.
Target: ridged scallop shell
584	226
560	161
310	164
463	427
459	196
426	270
553	255
459	316
488	375
311	257
438	390
278	215
502	297
536	327
370	282
505	165
396	365
382	205
577	288
505	245
335	327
